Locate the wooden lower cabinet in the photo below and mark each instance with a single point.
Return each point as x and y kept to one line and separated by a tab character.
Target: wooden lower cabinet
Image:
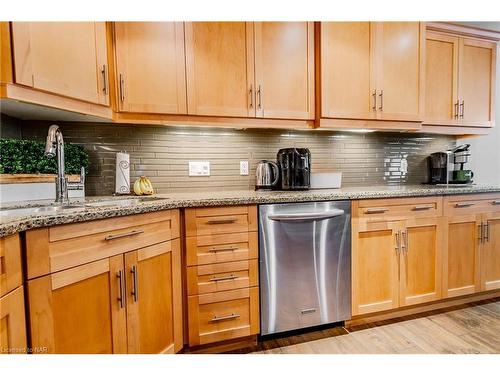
395	263
375	267
12	323
221	316
80	310
490	252
421	261
154	300
461	263
129	303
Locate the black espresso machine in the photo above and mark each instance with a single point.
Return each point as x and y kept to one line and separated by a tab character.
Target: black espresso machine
448	167
294	169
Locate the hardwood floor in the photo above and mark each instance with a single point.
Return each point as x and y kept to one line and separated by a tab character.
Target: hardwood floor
472	329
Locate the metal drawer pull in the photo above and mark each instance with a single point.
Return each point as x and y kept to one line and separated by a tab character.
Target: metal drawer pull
224	317
464	204
423	207
133	271
307	311
222	278
121	285
121	235
218	249
376	210
495	202
229	220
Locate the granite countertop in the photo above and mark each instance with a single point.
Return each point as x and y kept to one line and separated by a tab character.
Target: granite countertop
21	221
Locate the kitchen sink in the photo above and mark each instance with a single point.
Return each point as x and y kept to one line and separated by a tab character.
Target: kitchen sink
44	210
127	202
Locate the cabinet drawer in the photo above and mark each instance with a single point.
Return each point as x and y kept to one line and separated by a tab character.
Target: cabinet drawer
222	276
221	248
10	264
55	249
472	204
219	220
223	316
376	209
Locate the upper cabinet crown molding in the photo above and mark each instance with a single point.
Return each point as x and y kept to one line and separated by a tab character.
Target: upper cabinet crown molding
463	30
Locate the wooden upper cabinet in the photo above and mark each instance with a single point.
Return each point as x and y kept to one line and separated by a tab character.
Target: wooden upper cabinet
476	84
400	70
372	70
154	300
284	69
220	68
441	78
65	58
150	66
346	70
80	310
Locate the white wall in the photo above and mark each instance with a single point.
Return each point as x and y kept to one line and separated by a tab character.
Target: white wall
485	159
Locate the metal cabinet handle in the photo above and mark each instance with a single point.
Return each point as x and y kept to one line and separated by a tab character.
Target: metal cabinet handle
381	96
423	207
377	210
398	243
462	106
495	202
374	96
308	311
259	94
456	109
486	232
223	278
224	317
122	88
121	288
220	249
251	96
309	216
133	271
121	235
404	244
104	72
229	220
464	204
480	233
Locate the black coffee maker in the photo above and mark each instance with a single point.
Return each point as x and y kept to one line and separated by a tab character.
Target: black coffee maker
295	169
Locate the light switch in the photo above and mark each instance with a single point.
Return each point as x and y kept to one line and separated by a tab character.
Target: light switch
244	167
199	168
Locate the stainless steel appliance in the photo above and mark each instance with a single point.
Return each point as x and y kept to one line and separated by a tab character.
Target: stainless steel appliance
447	167
295	168
305	264
266	175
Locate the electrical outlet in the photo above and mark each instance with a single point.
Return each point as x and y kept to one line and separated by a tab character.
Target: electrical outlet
244	167
199	168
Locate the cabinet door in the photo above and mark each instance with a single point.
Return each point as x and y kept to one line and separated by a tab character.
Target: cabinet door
441	79
490	253
220	68
80	310
461	256
400	70
65	58
375	267
476	82
12	323
150	64
346	70
421	261
154	299
284	69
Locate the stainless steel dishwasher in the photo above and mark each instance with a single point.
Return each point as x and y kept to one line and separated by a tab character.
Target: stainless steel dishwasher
305	264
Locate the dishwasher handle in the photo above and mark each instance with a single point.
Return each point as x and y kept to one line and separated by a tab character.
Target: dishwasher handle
307	216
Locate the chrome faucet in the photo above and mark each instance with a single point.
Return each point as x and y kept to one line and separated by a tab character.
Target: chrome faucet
55	147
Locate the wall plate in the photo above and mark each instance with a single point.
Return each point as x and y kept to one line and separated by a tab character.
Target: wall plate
199	168
244	167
